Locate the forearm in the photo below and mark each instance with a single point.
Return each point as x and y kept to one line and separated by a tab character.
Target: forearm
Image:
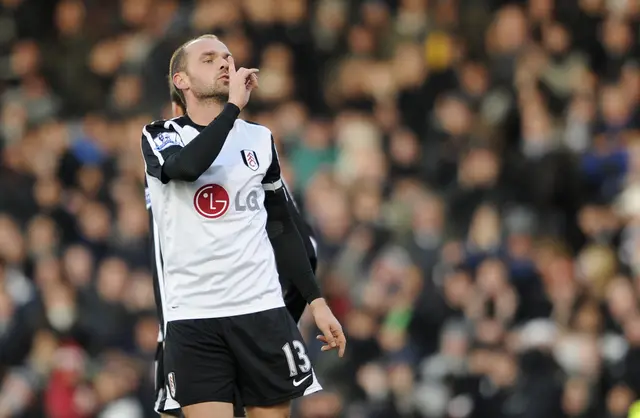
294	301
291	257
304	230
192	160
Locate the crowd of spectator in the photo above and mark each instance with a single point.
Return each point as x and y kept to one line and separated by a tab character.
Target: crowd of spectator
471	169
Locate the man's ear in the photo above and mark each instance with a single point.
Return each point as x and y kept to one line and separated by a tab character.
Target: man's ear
181	81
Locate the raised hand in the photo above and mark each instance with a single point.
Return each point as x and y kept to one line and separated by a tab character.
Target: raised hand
241	83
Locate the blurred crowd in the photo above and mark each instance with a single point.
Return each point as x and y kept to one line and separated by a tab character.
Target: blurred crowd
471	169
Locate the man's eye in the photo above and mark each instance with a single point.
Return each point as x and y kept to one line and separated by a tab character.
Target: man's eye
208	61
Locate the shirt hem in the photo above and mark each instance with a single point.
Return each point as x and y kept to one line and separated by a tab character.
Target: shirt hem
181	314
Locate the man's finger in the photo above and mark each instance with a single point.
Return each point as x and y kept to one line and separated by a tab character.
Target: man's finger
253	79
341	340
342	343
232	66
325	346
329	337
248	72
252	82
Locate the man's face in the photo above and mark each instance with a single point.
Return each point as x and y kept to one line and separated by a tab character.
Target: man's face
207	69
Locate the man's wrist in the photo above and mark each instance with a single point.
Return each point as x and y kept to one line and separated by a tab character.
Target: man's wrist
233	107
318	302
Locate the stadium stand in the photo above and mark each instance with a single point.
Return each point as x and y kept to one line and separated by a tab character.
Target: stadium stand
471	169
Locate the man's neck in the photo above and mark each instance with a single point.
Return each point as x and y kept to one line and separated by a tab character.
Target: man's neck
203	113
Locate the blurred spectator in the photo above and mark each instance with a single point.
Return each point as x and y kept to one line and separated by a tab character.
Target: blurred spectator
471	169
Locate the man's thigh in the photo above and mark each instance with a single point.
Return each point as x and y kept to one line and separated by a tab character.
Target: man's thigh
277	411
272	362
198	364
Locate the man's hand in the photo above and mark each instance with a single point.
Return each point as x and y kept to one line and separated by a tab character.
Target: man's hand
333	337
241	83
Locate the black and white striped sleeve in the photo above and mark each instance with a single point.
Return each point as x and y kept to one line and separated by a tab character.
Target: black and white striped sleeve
159	142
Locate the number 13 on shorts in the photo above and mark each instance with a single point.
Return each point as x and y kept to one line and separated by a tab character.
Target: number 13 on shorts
301	363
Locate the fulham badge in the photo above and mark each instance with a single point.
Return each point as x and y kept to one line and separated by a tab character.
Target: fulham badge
250	159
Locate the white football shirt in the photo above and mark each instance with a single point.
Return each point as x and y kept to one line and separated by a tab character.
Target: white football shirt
217	258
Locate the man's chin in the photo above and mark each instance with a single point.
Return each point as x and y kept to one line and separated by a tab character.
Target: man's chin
218	97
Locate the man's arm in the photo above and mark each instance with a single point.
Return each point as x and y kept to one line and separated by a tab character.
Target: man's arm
292	259
288	246
187	163
305	230
296	304
167	159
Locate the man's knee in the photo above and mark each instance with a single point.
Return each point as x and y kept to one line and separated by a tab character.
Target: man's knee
277	411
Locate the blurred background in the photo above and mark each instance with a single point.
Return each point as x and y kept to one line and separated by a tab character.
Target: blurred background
471	169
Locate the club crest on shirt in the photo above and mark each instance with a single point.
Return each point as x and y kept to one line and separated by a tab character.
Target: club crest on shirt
250	159
172	384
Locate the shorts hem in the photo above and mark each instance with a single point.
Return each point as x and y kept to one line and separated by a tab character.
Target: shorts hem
282	399
171	412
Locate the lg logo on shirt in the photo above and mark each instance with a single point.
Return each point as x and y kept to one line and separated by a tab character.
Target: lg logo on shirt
212	201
